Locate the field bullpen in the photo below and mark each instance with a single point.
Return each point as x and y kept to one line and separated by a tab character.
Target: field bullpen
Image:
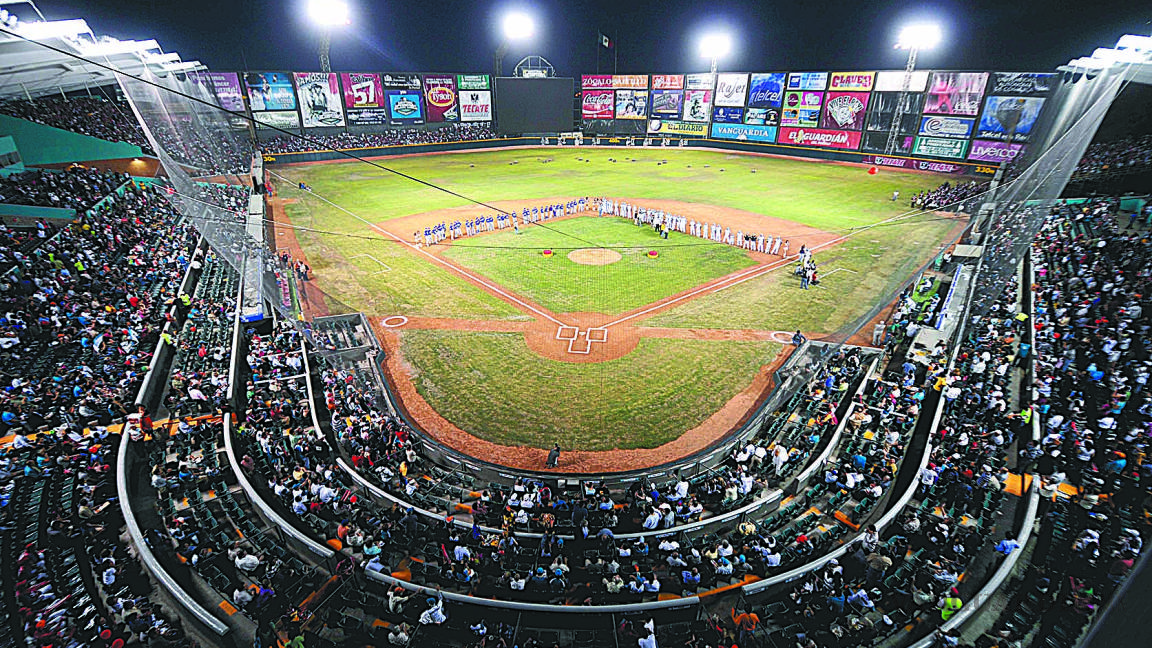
624	359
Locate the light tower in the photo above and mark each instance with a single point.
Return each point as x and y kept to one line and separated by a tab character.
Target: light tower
912	38
516	26
714	47
327	15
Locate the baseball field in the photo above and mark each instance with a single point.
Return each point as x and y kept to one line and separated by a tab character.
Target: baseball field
588	330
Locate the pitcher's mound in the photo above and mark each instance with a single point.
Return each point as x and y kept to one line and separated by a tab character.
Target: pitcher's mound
594	256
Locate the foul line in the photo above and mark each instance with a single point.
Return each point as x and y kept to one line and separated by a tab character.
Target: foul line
443	262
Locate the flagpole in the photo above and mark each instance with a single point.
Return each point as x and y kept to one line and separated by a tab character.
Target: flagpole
599	44
615	50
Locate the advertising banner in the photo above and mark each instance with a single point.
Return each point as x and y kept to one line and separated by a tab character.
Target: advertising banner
819	138
1021	84
630	81
472	82
766	90
1009	116
476	105
697	105
319	95
916	165
405	107
667	103
440	98
807	80
596	82
631	104
762	116
994	152
939	147
801	109
363	99
731	89
956	93
744	133
667	81
598	104
893	81
400	81
724	115
878	143
286	119
861	81
845	110
225	86
883	109
270	91
950	127
699	82
665	127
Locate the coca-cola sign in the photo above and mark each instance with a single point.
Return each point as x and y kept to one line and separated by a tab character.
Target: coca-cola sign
598	104
819	138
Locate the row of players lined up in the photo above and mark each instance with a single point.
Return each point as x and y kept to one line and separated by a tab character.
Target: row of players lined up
664	222
472	226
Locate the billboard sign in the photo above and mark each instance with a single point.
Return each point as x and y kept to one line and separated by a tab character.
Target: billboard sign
472	82
630	81
820	138
875	142
226	88
744	133
697	105
665	127
801	108
722	115
405	107
440	98
1009	117
667	103
955	93
667	81
319	95
363	99
699	82
807	80
1021	84
286	119
731	89
940	147
762	116
766	90
893	81
845	110
270	91
915	165
596	82
631	104
950	127
882	110
476	105
858	81
994	152
400	81
597	104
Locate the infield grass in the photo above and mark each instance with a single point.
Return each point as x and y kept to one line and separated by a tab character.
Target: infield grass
493	386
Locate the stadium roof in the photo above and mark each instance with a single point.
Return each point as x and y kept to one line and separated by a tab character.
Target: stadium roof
1131	50
39	57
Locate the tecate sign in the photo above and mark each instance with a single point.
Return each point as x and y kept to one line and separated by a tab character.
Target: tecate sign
819	138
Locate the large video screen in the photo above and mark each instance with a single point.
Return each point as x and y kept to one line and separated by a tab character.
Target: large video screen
527	106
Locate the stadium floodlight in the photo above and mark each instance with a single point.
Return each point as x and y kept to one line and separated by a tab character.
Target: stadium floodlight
913	38
715	46
518	26
329	13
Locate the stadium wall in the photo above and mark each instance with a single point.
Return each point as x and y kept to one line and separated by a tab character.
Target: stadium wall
40	144
409	149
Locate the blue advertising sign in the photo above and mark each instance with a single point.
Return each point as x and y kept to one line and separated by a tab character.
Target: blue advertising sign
723	115
1004	116
667	103
404	107
944	126
807	80
270	91
744	132
766	90
762	116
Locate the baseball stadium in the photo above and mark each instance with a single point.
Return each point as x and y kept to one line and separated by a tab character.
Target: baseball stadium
709	348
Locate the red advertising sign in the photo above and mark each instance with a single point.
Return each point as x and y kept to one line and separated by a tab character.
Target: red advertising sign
440	97
596	81
598	104
630	81
819	138
844	110
667	81
851	81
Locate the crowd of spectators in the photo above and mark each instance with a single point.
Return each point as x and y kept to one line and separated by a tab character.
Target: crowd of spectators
1124	155
953	196
395	137
110	120
77	188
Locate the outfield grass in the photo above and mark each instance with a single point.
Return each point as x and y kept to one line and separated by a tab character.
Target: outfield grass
565	286
492	386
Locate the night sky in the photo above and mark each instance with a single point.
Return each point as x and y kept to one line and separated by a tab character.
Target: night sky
651	37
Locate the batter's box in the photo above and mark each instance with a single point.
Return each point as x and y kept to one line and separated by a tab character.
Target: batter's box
599	334
580	345
567	332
